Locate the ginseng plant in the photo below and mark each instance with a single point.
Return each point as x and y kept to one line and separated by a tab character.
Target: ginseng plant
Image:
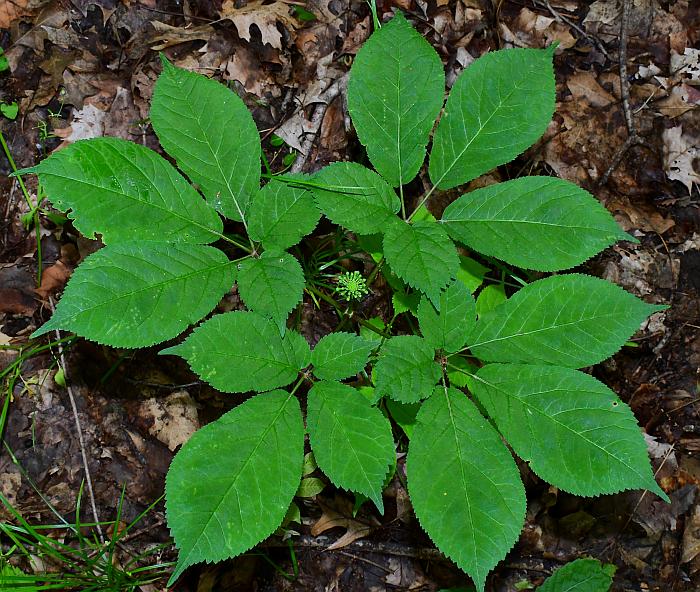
483	379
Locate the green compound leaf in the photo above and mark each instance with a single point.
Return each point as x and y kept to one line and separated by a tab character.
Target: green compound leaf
406	370
232	482
340	355
132	294
448	329
271	285
351	439
422	255
280	215
572	429
540	223
499	106
464	484
241	351
582	575
125	192
362	201
572	320
395	93
211	134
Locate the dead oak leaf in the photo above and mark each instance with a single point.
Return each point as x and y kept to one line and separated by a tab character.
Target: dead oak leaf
11	10
263	16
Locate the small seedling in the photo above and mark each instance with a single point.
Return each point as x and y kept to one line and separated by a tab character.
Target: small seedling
473	374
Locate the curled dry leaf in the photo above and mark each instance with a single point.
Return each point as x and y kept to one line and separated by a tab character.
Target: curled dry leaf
53	279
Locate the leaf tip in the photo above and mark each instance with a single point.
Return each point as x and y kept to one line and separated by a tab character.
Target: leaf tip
175	350
655	488
49	325
26	171
166	63
181	566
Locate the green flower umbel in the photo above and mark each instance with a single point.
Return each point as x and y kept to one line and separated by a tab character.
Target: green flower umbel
352	286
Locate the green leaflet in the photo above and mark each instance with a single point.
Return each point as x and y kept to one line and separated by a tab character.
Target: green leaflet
471	273
448	329
404	414
422	255
132	294
571	320
232	482
310	487
395	93
280	215
489	298
582	575
125	192
340	355
540	223
406	370
211	134
499	106
362	202
239	351
351	439
573	430
271	285
464	484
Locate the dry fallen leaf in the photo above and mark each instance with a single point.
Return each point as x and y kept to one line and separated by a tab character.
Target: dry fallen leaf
680	152
331	519
682	99
691	536
169	36
263	16
584	85
11	10
174	419
53	279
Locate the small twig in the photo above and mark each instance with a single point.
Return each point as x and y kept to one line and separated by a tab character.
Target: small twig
374	563
324	100
624	82
562	19
81	440
633	139
364	546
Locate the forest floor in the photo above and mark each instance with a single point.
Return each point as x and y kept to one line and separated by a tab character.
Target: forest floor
85	68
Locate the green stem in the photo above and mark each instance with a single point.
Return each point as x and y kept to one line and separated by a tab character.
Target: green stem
32	208
375	271
327	298
14	168
426	197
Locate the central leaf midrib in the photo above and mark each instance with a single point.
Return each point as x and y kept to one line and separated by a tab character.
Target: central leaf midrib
458	447
540	330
